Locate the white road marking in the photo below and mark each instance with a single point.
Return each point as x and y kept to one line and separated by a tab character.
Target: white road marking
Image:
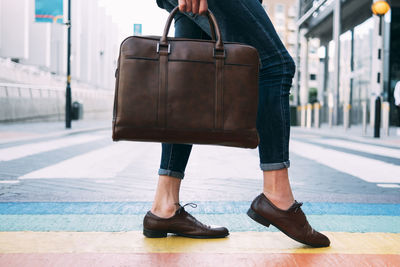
367	169
11	153
99	164
9	181
377	150
389	185
108	181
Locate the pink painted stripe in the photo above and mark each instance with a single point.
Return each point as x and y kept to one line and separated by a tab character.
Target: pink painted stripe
44	16
196	259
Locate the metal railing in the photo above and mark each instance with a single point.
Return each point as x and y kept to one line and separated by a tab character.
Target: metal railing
311	8
10	90
306	5
42	91
22	101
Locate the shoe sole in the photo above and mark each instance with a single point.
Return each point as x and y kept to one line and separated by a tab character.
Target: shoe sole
260	219
161	234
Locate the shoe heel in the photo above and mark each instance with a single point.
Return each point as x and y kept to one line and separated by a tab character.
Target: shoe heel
251	213
154	234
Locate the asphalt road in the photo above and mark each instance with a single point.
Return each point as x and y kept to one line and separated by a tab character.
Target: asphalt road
88	166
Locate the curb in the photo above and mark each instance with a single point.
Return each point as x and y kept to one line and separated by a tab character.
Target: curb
388	142
55	134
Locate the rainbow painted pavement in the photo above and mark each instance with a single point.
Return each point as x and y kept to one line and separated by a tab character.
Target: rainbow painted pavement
79	200
109	234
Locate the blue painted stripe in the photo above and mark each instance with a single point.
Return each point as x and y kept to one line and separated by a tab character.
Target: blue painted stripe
234	222
223	207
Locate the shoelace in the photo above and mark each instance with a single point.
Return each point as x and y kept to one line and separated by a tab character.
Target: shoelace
296	206
191	204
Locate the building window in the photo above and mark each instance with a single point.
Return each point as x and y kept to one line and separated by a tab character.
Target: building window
313	77
292	12
279	9
279	22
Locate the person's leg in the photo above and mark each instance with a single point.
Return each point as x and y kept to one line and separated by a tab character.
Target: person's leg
167	215
273	125
174	157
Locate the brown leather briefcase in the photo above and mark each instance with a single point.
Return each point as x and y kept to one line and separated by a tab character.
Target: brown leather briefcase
178	90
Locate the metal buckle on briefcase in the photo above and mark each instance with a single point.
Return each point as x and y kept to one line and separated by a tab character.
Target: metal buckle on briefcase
158	48
218	55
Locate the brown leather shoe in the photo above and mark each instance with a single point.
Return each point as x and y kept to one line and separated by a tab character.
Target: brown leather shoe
291	222
182	224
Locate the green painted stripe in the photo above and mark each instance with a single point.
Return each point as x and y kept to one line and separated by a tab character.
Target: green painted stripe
234	222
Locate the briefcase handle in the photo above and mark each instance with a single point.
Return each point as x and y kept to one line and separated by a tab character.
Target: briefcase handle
219	45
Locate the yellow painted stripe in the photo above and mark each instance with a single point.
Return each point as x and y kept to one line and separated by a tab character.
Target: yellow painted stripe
237	242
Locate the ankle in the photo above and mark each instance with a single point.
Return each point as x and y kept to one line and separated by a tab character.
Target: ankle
166	197
164	210
281	201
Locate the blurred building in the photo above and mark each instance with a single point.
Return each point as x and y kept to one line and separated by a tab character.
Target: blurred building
44	45
283	14
357	64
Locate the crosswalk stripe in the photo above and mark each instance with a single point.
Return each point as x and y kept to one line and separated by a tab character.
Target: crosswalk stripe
99	164
238	258
389	185
12	153
204	207
238	242
377	150
9	181
367	169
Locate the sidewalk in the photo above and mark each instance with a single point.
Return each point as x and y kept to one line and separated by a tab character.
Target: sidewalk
12	132
354	133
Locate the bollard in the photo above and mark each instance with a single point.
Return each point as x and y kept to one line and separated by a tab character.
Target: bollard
309	115
346	116
303	116
364	117
317	107
385	117
330	117
298	122
377	122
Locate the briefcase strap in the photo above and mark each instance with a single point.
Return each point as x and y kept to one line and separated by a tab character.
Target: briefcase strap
162	90
219	97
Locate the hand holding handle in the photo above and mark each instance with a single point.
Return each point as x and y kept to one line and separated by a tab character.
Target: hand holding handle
219	45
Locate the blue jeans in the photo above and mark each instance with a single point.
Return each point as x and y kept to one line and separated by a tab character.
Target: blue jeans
244	21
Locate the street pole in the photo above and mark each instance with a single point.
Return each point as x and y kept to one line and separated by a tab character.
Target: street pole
336	77
377	121
296	85
68	90
379	8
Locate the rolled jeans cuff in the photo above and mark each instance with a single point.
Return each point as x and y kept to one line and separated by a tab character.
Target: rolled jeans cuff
275	166
174	174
